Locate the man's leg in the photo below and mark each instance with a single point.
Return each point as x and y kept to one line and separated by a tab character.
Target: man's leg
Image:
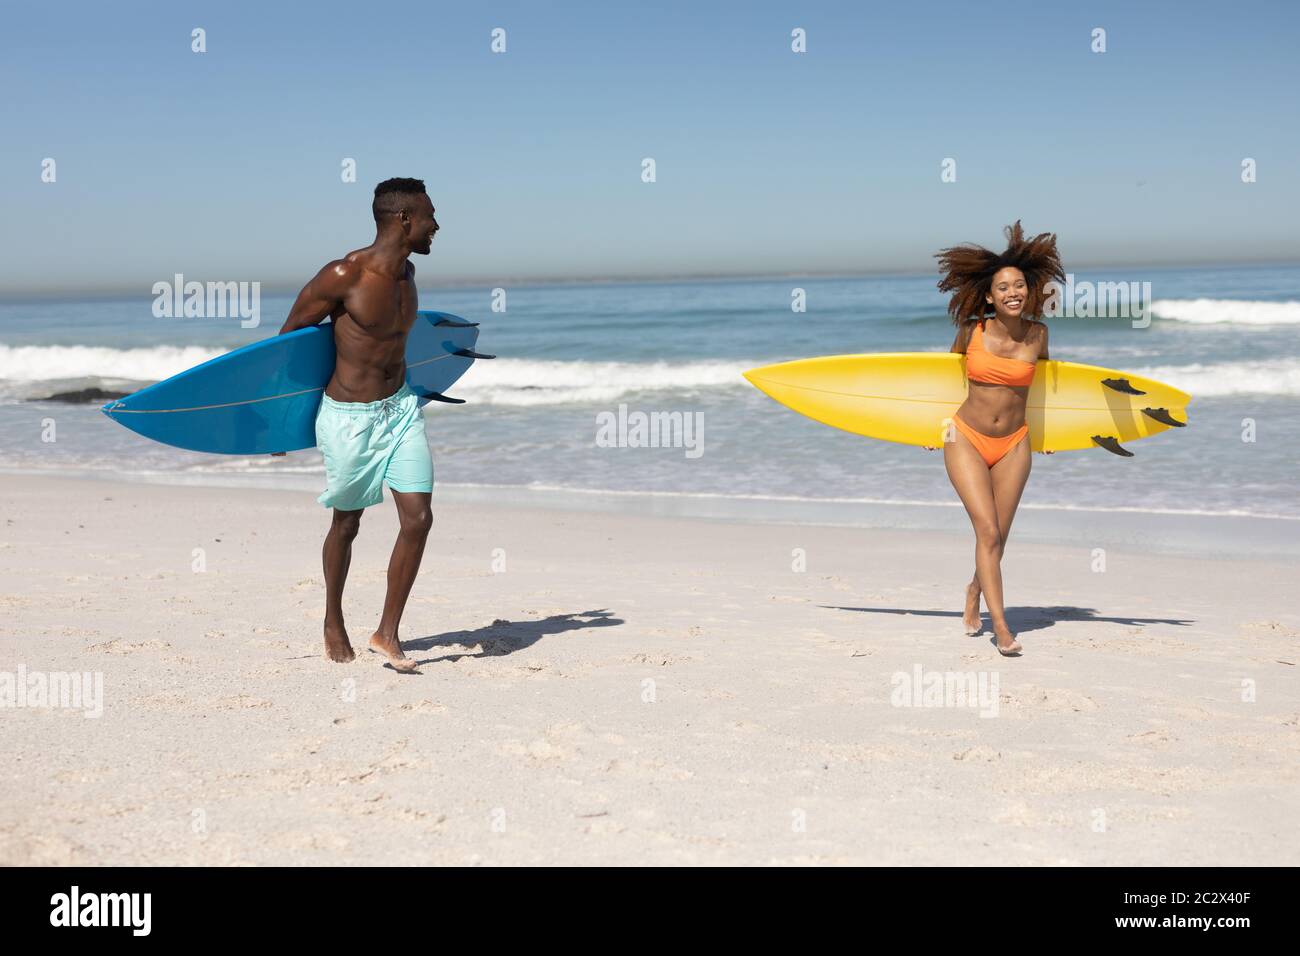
336	555
416	518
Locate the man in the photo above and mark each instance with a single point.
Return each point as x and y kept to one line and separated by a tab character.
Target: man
369	427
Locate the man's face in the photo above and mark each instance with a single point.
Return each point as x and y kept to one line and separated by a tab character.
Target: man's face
422	226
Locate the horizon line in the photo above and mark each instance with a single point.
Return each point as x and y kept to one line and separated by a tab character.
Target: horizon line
278	287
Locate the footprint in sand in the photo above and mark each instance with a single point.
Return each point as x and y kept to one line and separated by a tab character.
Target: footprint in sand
393	762
658	660
836	646
1048	700
561	742
978	754
1153	738
1270	629
128	647
177	702
423	707
652	768
242	702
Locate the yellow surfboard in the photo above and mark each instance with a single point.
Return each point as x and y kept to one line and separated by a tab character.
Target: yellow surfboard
910	397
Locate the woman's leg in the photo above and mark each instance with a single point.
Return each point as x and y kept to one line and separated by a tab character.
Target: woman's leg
1009	477
973	480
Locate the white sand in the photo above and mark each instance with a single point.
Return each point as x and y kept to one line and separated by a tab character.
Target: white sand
226	738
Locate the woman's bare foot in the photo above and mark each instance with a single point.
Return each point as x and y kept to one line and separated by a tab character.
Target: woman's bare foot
970	619
337	646
391	648
1007	644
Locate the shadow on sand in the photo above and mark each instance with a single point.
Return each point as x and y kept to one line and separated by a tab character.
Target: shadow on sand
505	637
1021	620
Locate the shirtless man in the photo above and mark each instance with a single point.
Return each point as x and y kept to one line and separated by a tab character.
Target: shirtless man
369	427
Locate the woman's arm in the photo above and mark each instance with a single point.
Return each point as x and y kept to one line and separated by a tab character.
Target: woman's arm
959	346
1043	357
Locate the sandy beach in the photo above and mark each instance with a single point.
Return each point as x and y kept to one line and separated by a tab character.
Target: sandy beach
606	688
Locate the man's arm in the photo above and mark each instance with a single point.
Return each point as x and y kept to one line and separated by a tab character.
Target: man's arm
322	296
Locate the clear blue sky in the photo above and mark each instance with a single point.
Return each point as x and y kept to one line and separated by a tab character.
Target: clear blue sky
225	165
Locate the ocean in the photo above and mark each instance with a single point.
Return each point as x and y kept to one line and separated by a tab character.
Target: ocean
571	354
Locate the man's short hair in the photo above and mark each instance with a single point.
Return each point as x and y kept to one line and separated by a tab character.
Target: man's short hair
394	195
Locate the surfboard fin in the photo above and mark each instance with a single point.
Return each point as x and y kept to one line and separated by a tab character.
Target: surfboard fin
439	397
470	353
1163	417
448	323
1121	385
1112	445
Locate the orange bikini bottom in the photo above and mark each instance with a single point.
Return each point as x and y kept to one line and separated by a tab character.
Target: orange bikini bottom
991	449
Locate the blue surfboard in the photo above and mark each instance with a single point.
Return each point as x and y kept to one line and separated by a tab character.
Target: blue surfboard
262	398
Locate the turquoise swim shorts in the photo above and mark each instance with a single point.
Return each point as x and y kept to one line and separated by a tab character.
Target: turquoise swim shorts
368	444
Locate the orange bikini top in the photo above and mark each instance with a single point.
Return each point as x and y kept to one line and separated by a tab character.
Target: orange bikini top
983	366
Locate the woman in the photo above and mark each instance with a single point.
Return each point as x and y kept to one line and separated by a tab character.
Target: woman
995	302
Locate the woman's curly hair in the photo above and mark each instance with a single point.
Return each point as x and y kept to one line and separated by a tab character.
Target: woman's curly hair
968	271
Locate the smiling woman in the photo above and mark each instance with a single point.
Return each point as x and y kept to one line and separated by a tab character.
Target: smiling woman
994	299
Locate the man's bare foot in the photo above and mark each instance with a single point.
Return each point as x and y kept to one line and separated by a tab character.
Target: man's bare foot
337	646
970	619
391	648
1007	644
